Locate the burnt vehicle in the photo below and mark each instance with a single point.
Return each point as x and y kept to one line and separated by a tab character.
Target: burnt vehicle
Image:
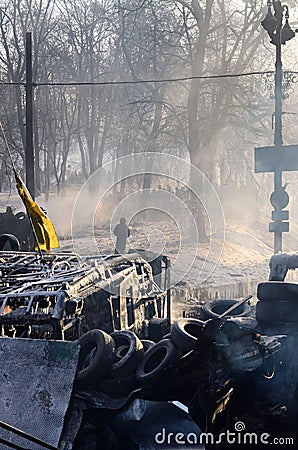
61	296
76	319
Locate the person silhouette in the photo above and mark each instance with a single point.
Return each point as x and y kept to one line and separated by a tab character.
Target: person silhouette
9	221
122	232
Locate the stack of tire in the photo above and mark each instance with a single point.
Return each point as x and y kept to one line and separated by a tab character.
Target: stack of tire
119	363
109	362
161	357
278	303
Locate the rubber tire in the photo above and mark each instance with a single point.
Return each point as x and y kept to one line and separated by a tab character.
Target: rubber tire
20	215
102	359
118	387
185	333
129	362
212	310
167	336
277	312
156	360
277	291
121	351
147	344
12	240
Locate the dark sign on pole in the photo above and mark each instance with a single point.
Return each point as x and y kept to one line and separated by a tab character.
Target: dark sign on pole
272	159
278	158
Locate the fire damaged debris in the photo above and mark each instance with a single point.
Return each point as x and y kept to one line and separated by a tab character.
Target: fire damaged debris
139	426
240	348
225	368
253	379
218	385
62	296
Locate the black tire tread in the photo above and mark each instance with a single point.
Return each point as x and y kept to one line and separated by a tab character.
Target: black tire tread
181	335
277	312
127	365
147	344
102	361
280	291
12	240
148	377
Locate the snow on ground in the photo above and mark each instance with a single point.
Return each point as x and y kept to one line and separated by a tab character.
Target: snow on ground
246	252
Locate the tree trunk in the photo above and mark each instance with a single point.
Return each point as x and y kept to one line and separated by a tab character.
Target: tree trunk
37	154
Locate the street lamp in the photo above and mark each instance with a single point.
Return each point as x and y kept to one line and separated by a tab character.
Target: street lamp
279	30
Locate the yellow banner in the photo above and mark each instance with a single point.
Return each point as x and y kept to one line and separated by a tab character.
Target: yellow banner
44	229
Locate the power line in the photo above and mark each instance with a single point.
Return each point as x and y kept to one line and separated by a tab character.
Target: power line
164	80
128	82
11	83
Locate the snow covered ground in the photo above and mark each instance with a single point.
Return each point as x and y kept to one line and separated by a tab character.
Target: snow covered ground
245	255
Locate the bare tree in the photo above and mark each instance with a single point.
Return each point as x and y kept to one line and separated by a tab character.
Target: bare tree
89	40
98	41
16	18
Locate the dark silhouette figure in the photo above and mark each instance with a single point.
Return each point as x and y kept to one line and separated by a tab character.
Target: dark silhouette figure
122	232
9	221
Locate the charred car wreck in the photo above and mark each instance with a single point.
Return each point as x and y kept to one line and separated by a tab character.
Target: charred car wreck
100	331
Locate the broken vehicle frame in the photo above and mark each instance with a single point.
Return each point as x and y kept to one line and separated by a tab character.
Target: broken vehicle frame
62	295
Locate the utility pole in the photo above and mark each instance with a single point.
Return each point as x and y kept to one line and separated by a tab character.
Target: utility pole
29	151
278	158
277	120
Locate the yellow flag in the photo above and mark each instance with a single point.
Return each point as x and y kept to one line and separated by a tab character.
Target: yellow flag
43	227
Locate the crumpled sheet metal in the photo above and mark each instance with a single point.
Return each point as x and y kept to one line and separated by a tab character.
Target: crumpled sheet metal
36	382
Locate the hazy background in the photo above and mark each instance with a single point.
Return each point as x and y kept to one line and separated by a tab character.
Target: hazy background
214	123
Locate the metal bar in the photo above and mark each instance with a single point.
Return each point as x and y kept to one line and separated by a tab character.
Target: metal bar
11	445
29	160
278	84
235	306
32	293
3	304
27	436
168	290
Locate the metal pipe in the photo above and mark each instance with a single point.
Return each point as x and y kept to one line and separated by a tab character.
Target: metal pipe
29	152
27	436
